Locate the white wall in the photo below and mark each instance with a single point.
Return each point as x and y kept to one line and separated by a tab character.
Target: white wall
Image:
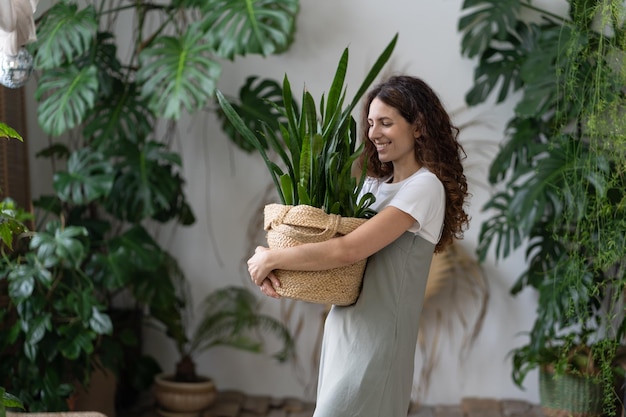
226	189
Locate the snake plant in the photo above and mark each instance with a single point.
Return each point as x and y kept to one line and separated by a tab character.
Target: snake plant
317	150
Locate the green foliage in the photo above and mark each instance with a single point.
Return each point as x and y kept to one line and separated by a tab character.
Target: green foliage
110	96
317	150
54	320
561	171
9	133
8	400
229	317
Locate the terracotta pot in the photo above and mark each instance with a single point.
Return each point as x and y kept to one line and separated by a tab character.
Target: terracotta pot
182	398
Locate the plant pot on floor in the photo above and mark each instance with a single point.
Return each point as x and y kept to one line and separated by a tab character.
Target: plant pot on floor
569	395
182	399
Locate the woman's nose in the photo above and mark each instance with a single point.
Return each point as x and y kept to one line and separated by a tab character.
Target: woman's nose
374	132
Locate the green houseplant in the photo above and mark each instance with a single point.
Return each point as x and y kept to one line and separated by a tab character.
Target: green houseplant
561	177
314	179
110	102
59	336
9	227
228	316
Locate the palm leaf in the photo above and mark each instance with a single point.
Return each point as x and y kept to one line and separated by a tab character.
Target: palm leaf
240	27
64	33
178	74
229	316
70	93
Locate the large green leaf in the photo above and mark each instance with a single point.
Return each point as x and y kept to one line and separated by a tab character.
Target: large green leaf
9	133
485	21
66	95
121	115
240	27
64	33
148	184
258	102
59	245
89	176
178	73
317	150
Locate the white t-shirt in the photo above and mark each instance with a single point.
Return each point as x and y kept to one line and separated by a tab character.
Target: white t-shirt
421	195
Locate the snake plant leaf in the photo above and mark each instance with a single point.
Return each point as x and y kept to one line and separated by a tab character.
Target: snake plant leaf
70	93
259	101
287	190
241	27
380	62
337	90
65	32
317	149
251	138
89	177
178	73
486	20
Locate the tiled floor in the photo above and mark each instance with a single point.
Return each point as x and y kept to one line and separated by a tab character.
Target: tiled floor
238	404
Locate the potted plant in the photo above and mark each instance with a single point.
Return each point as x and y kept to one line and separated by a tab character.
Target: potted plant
35	334
561	178
228	317
112	123
315	181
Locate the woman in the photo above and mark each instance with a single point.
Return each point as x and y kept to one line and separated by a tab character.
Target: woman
414	170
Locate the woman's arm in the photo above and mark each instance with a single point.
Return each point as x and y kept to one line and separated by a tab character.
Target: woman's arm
382	229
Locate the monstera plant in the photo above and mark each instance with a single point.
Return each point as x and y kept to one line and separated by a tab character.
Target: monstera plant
560	178
113	80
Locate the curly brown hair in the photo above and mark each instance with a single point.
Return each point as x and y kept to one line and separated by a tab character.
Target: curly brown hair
437	149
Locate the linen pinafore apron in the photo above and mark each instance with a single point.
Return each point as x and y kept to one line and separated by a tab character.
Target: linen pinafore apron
368	350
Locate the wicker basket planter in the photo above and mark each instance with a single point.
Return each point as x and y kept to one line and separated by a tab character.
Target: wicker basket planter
569	395
289	226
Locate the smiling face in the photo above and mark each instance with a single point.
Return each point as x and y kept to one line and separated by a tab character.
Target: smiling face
392	135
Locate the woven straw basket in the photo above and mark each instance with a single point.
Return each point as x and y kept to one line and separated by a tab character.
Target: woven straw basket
289	226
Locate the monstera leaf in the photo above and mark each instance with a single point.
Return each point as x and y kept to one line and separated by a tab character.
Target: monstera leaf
66	95
122	116
240	27
64	32
88	177
485	21
178	73
257	107
147	185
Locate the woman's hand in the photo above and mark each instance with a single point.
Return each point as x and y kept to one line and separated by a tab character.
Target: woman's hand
261	274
